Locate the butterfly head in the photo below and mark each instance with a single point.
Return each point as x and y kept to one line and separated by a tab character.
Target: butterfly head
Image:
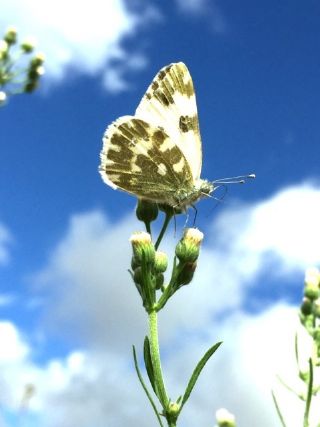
203	188
185	198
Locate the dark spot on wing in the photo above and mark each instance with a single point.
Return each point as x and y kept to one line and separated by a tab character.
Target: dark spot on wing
187	123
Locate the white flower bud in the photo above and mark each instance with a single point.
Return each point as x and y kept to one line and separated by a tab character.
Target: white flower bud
3	97
225	418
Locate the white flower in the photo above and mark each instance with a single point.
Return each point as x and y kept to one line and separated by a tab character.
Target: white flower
193	235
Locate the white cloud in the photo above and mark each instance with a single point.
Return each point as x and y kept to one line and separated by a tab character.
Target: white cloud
83	36
12	346
281	230
100	387
93	300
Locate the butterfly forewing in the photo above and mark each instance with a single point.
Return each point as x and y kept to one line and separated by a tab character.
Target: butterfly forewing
142	159
170	102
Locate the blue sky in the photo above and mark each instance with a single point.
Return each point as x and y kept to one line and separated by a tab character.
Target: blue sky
68	310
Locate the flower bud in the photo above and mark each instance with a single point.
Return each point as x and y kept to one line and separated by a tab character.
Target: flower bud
316	308
186	274
306	307
40	70
4	48
3	97
311	291
11	36
143	248
174	408
225	418
160	262
27	46
187	250
159	281
146	211
37	60
312	277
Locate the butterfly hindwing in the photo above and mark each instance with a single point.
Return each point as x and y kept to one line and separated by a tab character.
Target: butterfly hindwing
142	159
170	102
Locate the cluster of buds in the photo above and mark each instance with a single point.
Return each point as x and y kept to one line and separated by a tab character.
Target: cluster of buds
149	265
311	300
18	73
310	308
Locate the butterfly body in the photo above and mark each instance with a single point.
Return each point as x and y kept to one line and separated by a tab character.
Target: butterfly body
156	154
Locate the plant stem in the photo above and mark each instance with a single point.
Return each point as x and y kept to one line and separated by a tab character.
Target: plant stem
155	358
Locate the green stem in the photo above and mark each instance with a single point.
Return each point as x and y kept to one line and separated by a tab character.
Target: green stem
170	290
163	229
155	358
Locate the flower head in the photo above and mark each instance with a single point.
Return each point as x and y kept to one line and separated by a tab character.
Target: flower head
188	249
225	418
143	248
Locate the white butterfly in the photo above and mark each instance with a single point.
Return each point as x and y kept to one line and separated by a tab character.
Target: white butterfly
156	154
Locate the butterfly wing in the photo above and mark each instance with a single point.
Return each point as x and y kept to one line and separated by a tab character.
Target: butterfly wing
142	159
170	102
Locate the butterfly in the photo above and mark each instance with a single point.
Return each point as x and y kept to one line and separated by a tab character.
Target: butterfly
156	154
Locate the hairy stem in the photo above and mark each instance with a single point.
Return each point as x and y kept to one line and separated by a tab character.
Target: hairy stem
155	358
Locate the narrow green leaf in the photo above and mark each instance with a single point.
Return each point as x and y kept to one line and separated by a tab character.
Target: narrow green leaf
197	372
144	386
309	395
278	409
148	362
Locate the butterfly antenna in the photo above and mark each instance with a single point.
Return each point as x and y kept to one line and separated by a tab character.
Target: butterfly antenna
241	179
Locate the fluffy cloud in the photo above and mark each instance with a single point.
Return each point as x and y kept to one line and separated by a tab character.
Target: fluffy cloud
82	36
280	232
13	347
92	301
